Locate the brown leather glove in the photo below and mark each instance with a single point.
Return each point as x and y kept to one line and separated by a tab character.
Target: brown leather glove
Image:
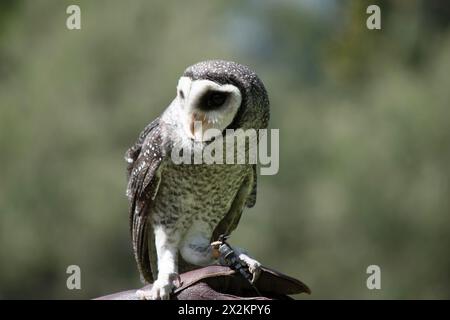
223	283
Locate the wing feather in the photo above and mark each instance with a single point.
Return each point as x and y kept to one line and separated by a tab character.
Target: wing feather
251	199
144	159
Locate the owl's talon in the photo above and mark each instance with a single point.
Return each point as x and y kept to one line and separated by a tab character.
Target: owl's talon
177	281
254	267
144	294
255	270
161	289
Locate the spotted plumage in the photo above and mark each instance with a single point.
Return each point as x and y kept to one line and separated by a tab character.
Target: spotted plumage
177	209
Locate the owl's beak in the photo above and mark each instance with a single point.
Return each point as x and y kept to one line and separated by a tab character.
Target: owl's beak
198	126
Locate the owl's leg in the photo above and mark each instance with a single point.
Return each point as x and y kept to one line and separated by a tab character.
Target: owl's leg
195	247
167	251
253	265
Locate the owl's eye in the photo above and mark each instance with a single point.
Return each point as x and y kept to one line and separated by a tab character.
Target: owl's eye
216	99
181	93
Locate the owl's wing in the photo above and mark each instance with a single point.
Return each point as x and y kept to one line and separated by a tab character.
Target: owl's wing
246	196
133	152
144	158
251	199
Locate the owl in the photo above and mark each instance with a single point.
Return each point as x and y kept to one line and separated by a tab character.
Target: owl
177	209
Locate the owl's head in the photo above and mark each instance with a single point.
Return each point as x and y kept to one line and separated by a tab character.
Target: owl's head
221	95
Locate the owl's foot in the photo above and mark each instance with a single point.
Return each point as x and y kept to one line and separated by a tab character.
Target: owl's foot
254	267
161	289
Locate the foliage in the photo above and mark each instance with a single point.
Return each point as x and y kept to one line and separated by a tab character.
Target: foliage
364	127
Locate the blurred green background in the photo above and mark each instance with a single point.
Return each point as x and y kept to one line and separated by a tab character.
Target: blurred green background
364	126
